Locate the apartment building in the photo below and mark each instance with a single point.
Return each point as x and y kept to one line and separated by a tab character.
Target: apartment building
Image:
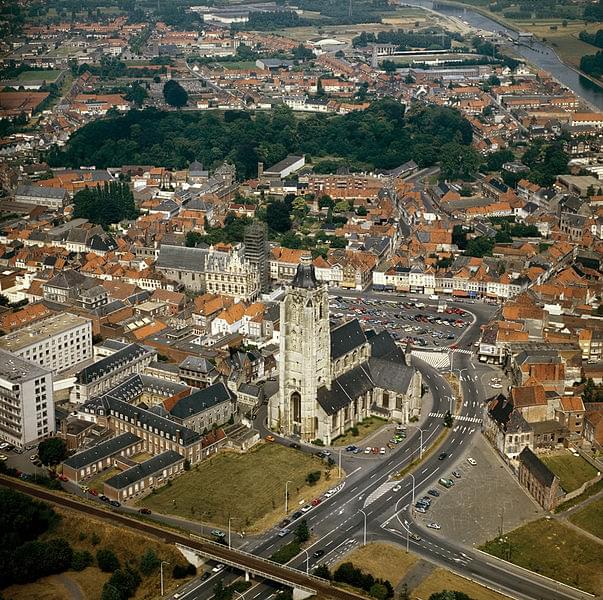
26	401
56	343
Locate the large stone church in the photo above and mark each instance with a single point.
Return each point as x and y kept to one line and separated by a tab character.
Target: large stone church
332	378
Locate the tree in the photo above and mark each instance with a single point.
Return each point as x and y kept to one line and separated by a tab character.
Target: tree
278	216
105	205
81	559
302	532
313	477
221	592
389	66
448	419
110	593
342	206
323	571
479	247
106	560
174	94
458	161
325	202
379	591
52	451
126	581
149	562
300	208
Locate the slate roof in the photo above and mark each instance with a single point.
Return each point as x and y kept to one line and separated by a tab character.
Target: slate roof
144	469
181	258
102	450
544	475
344	389
202	400
109	363
345	338
305	277
36	191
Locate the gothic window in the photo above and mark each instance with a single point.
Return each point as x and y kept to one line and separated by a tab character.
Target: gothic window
309	303
296	402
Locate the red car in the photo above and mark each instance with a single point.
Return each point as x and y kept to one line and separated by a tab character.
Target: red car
316	501
63	478
93	492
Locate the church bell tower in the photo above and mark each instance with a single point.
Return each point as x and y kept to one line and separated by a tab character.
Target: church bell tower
305	354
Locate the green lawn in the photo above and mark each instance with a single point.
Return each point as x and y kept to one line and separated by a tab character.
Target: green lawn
590	491
249	487
572	470
49	76
552	549
96	482
365	428
590	518
238	64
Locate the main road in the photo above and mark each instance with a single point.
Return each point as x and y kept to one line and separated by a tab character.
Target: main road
366	505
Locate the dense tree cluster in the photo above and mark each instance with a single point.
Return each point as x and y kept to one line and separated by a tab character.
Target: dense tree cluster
105	204
592	64
174	94
596	39
546	160
52	451
378	588
404	39
382	136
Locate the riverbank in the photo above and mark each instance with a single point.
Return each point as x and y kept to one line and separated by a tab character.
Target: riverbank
563	41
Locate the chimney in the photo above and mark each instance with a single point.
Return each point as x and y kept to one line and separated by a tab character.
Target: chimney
260	170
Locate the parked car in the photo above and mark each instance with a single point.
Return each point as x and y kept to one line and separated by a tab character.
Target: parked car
296	515
294	445
456	474
114	503
433	526
433	493
103	498
93	492
382	451
284	523
217	533
471	461
3	457
144	511
284	532
219	567
420	509
84	488
316	501
306	508
63	478
33	457
269	438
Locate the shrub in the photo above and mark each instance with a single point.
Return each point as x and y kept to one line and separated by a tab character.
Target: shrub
354	430
149	562
125	581
182	571
286	553
81	559
94	539
106	560
313	477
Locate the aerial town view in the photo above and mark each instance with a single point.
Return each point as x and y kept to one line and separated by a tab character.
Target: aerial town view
301	299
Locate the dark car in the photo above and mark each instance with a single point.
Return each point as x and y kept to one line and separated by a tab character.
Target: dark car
205	576
433	493
114	503
442	455
296	515
144	511
284	523
318	553
294	445
103	498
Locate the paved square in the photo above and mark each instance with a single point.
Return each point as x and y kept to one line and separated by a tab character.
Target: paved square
486	499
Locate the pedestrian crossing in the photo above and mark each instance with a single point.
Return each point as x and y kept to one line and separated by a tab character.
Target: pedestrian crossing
464	418
380	491
438	360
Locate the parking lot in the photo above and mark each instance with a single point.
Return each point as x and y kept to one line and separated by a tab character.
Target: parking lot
416	323
485	499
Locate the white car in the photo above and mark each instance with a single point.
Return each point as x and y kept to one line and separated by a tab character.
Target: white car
368	450
496	386
396	488
471	461
218	568
433	526
382	451
306	508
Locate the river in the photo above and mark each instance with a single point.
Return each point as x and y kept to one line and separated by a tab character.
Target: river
537	53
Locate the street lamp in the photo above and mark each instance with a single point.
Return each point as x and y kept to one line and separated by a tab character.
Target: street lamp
413	487
421	442
307	561
163	562
287	496
364	536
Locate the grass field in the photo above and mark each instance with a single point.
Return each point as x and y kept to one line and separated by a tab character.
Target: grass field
249	487
572	470
128	547
381	560
96	483
590	518
550	548
238	64
49	76
365	428
441	580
